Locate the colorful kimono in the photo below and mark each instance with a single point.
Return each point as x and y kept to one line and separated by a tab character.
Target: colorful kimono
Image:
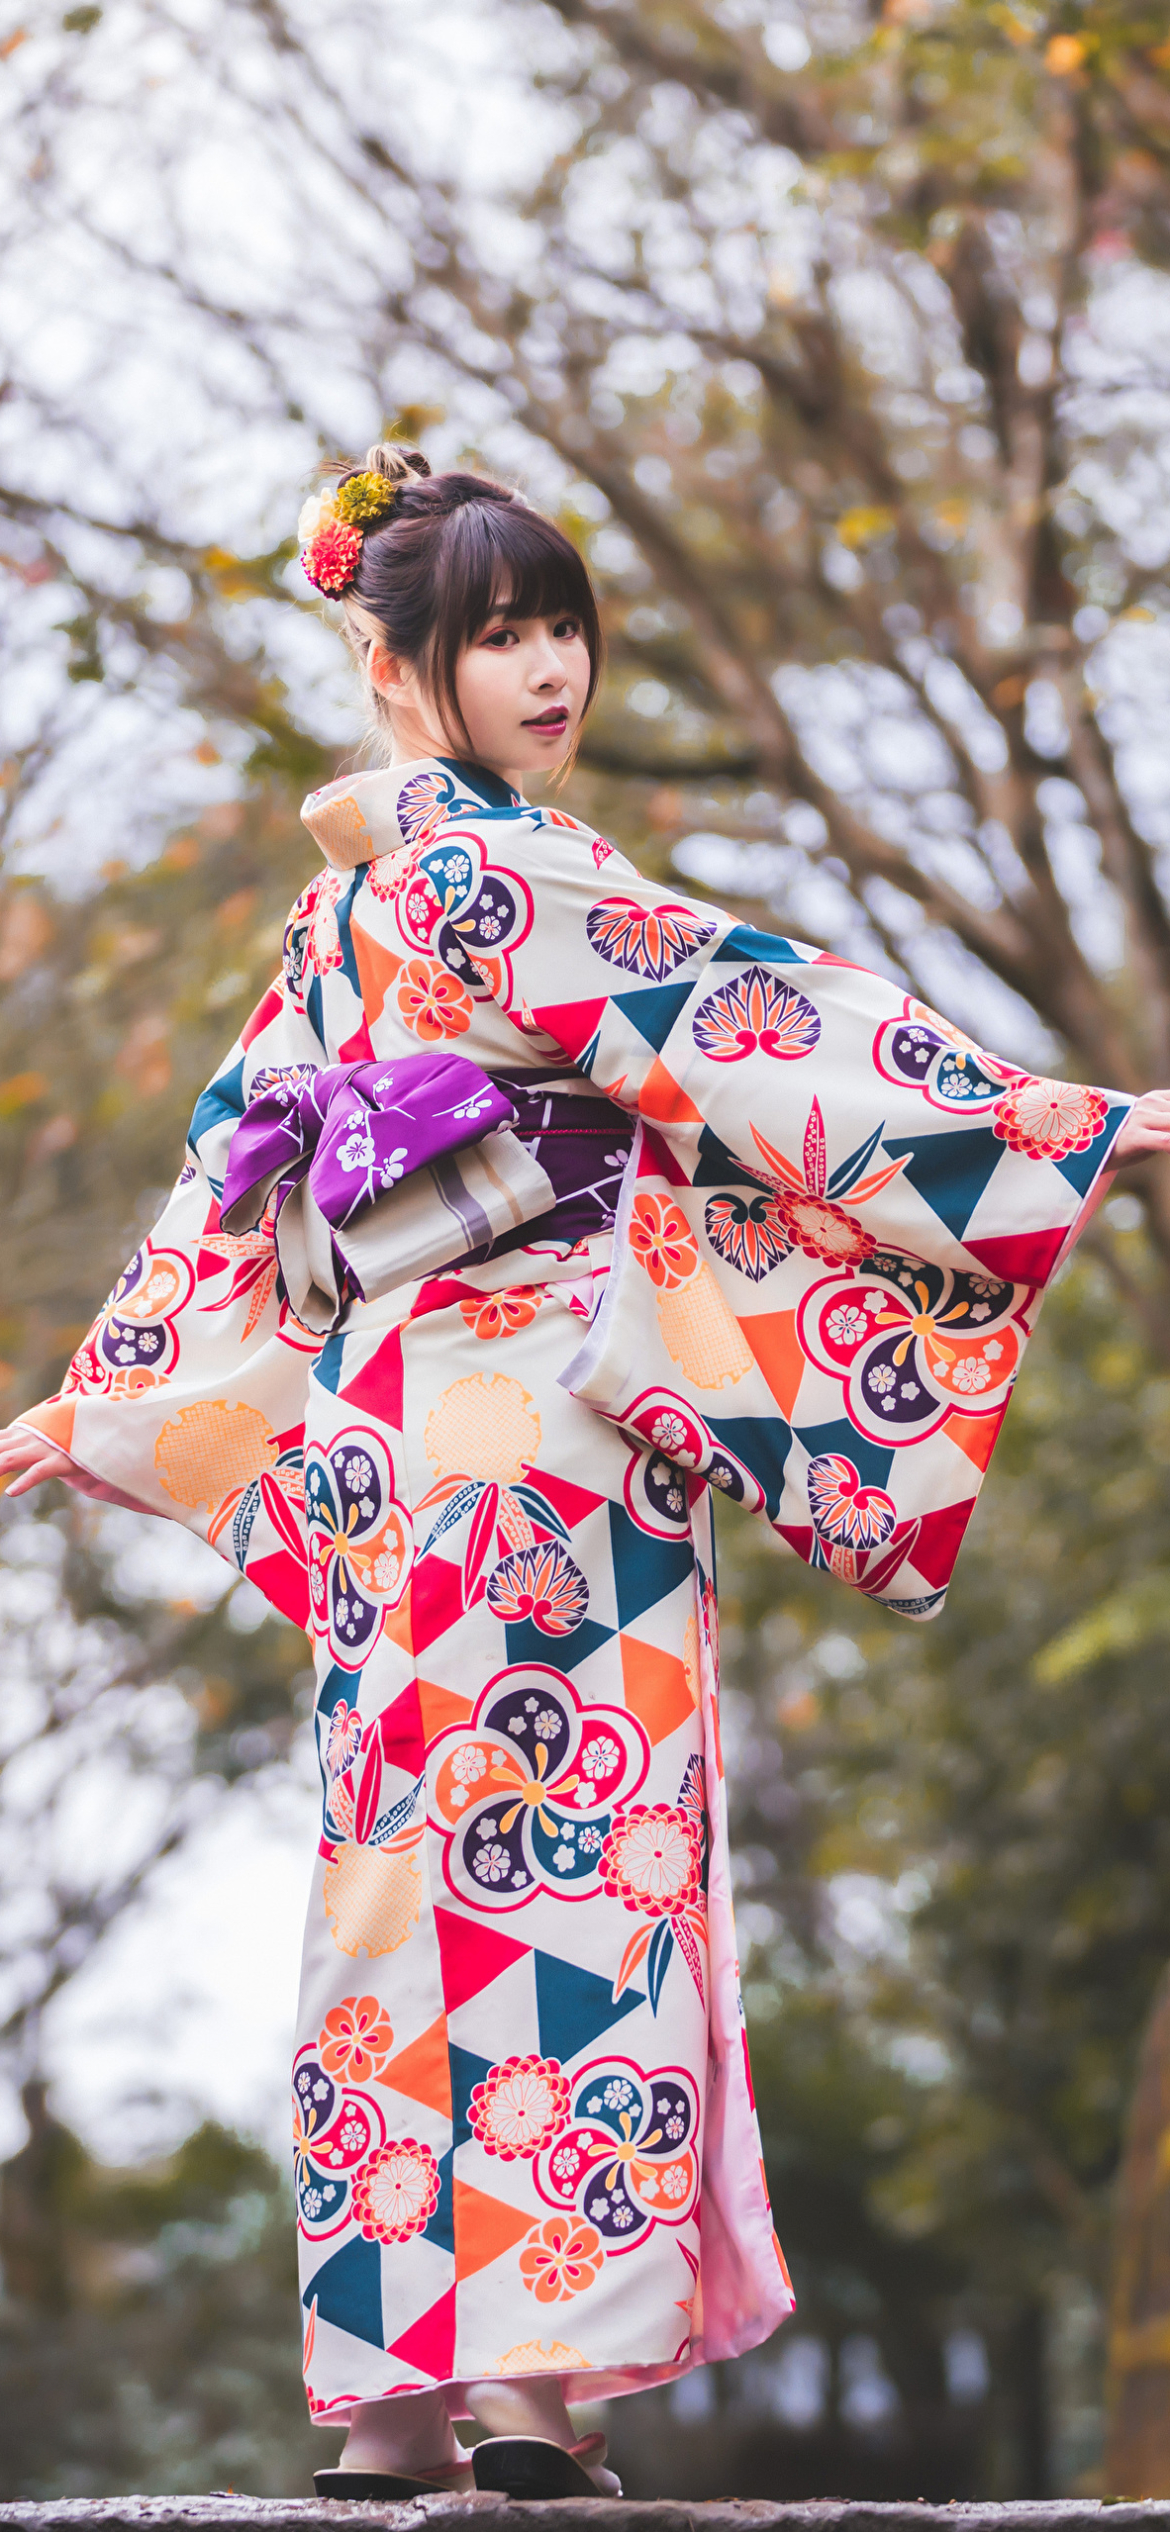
782	1232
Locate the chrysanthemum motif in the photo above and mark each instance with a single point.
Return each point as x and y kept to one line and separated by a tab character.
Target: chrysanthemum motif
331	557
652	1860
646	944
520	2107
541	1583
364	498
397	2192
823	1230
1049	1119
755	1011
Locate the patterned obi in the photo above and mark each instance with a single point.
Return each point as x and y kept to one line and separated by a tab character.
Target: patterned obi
379	1174
583	1145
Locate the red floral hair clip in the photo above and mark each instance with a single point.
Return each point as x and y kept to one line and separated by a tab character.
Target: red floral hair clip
332	527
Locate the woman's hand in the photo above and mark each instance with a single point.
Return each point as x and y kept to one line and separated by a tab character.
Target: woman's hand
1146	1129
27	1459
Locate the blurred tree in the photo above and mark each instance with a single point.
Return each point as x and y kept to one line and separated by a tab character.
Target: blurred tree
839	341
148	2325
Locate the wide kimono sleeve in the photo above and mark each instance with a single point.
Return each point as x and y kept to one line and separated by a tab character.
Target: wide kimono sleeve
839	1216
189	1391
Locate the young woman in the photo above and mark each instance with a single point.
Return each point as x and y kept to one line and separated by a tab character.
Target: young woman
533	1202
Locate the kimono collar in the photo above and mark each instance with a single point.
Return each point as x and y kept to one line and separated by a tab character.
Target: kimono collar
363	816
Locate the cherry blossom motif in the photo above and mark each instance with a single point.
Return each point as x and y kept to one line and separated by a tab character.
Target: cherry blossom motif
560	2259
750	1233
541	1583
334	2128
755	1012
134	1342
652	1860
397	2192
941	1061
524	1794
912	1344
846	1513
662	1241
432	1002
628	2161
360	1543
492	1314
1050	1119
356	2039
644	944
519	2107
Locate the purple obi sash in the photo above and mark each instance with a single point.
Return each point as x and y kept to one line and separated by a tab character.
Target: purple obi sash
381	1173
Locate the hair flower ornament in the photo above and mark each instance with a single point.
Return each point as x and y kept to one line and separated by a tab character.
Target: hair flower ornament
332	525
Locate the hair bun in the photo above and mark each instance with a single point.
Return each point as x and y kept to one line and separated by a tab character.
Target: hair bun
398	464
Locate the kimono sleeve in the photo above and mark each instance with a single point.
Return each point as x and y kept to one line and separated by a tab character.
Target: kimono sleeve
189	1391
839	1214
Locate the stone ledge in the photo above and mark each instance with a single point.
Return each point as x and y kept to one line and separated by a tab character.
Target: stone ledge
599	2514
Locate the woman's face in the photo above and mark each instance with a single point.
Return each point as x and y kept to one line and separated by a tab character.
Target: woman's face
522	685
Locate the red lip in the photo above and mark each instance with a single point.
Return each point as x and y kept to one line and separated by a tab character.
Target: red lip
554	719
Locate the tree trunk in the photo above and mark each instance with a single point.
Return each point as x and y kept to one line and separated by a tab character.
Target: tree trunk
1137	2456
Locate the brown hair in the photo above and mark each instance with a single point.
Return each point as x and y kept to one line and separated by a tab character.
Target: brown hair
454	548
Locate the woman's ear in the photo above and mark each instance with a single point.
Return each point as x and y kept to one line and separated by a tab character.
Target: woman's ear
387	672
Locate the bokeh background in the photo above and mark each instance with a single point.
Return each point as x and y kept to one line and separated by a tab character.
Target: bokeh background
840	341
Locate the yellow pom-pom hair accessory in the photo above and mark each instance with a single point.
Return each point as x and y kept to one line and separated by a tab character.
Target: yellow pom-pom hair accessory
332	525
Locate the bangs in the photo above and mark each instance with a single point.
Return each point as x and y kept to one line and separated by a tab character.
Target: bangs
537	572
503	555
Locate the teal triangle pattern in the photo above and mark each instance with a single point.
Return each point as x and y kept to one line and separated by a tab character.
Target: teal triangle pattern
573	2006
467	2071
950	1171
644	1569
441	2227
347	2290
654	1010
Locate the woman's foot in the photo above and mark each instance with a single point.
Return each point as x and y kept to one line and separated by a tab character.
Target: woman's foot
528	2417
533	2467
409	2438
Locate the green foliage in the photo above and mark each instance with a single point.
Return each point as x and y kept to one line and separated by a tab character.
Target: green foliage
148	2338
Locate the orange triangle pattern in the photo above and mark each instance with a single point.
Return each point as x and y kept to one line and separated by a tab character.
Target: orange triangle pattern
423	2071
773	1339
975	1435
661	1101
484	2227
655	1686
377	968
440	1708
396	1624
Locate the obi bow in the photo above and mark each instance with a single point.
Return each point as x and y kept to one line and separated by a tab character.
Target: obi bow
380	1173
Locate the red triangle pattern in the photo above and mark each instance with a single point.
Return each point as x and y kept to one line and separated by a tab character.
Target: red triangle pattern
471	1956
429	2343
939	1540
377	1387
1021	1257
436	1599
572	1024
